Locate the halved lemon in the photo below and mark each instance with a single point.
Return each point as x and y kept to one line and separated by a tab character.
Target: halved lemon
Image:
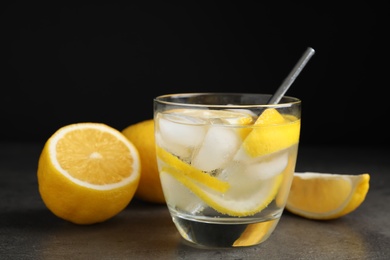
88	172
325	196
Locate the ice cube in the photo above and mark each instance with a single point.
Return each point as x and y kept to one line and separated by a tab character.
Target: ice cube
179	150
179	133
218	147
241	186
267	168
178	196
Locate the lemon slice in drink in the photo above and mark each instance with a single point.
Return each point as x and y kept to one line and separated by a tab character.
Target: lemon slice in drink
231	196
325	196
274	132
238	203
191	172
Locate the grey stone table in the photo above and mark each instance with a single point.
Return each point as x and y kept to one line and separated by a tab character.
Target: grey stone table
145	231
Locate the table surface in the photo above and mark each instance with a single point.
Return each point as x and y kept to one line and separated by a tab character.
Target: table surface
28	230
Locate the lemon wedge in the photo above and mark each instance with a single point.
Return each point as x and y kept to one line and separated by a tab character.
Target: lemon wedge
325	196
272	132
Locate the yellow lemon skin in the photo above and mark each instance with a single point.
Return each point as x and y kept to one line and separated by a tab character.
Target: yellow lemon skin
75	203
272	132
141	135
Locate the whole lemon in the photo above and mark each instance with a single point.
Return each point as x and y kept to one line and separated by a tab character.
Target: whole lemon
141	135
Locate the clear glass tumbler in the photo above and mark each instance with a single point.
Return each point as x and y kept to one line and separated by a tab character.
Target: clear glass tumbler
226	162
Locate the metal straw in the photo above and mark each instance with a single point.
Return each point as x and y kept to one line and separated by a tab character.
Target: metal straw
292	76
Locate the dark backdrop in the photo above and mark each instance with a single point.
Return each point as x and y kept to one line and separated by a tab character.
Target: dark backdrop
65	63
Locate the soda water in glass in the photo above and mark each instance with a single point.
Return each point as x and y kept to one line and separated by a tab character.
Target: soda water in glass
226	163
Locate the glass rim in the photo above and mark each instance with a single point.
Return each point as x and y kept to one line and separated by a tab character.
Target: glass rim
168	99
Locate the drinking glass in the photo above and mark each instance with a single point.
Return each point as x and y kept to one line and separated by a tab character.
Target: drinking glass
226	163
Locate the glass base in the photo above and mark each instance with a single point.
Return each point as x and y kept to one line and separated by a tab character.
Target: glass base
211	234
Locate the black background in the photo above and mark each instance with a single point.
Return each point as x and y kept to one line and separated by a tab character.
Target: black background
64	63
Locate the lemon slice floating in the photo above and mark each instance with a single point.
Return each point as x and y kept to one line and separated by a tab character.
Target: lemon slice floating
191	172
325	196
232	203
275	132
231	198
